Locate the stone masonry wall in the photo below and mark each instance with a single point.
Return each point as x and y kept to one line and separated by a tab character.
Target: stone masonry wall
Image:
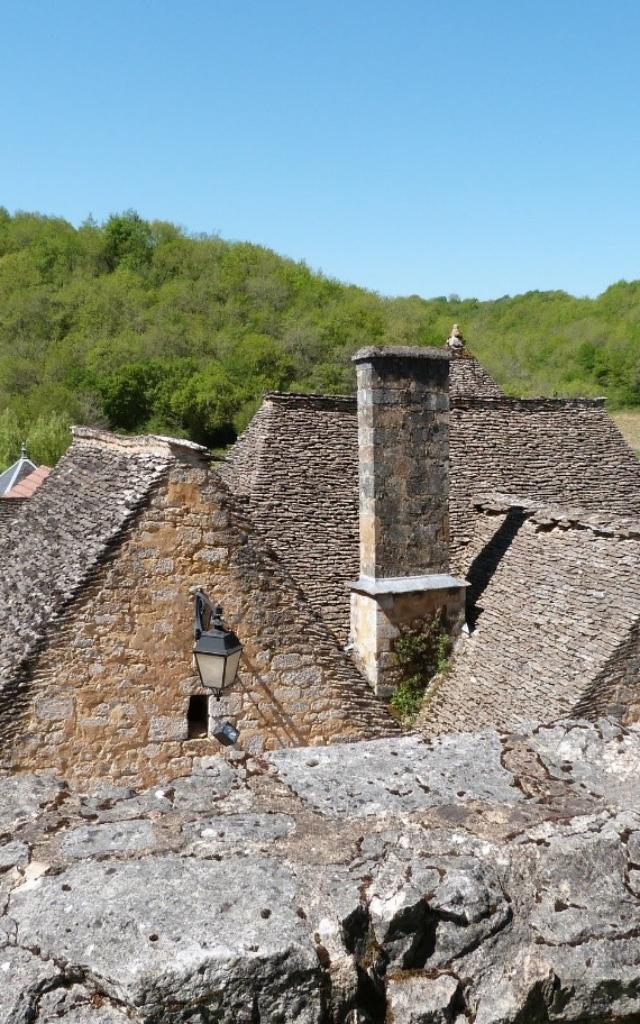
109	695
377	622
403	443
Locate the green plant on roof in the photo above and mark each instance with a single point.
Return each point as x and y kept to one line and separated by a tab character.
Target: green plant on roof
421	654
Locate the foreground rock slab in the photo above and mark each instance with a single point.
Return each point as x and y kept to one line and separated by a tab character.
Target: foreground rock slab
486	878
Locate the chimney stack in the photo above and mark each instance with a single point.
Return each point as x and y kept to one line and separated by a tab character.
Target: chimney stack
403	443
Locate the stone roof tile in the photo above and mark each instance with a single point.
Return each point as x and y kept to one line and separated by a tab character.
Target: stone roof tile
297	468
558	594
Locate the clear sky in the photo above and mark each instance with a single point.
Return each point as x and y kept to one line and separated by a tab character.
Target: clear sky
478	147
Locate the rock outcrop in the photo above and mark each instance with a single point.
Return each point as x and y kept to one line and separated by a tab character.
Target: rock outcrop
489	878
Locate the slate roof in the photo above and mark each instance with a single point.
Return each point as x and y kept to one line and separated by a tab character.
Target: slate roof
20	469
554	594
88	500
28	485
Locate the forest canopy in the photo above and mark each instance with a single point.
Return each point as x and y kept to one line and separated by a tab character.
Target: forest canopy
138	326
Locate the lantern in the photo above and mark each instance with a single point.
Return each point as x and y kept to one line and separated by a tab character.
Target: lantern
216	650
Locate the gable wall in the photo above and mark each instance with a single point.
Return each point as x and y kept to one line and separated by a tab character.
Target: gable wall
109	695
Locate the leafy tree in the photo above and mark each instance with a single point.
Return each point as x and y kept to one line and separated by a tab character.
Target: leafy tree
48	438
128	241
11	438
138	325
205	405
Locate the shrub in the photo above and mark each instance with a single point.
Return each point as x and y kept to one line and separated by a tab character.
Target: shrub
421	655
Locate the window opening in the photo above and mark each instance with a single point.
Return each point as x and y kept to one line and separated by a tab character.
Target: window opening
198	717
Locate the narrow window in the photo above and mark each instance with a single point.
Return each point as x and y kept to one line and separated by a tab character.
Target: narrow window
198	717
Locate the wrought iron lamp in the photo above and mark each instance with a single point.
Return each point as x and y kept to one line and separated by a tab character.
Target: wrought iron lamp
216	650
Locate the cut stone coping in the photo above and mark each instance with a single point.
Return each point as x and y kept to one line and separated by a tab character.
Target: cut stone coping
406	584
304	398
136	441
363	355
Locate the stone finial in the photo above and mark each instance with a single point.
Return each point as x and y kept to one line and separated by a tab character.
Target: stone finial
455	339
23	450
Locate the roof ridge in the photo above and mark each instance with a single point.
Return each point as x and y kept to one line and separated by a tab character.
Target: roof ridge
136	443
547	515
310	398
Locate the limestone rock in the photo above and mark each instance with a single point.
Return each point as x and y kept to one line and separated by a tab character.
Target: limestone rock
488	878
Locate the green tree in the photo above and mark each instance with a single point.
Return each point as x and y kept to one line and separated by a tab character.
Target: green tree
133	323
128	241
48	438
11	438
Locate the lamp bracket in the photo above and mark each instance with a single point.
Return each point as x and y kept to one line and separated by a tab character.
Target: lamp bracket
202	605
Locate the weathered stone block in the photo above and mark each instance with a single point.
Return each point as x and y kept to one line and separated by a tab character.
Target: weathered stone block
168	727
53	709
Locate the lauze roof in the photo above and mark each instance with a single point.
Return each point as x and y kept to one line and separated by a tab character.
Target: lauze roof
555	594
297	469
50	549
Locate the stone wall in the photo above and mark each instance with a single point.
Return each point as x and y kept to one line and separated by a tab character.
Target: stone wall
108	696
488	878
378	621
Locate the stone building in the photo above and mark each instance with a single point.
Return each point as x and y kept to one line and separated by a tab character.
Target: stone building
544	514
96	618
332	525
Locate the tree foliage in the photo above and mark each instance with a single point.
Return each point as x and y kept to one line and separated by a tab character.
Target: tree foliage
138	326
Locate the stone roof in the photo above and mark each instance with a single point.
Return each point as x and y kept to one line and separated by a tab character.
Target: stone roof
297	468
468	377
90	496
551	450
554	594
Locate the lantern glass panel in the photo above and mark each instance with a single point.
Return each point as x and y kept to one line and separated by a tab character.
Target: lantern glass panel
211	668
231	667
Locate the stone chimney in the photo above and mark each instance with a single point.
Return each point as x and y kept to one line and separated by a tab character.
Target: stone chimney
403	441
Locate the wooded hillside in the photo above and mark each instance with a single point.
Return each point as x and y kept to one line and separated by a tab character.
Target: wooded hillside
137	326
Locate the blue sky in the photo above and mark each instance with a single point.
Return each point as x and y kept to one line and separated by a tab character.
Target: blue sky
478	147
